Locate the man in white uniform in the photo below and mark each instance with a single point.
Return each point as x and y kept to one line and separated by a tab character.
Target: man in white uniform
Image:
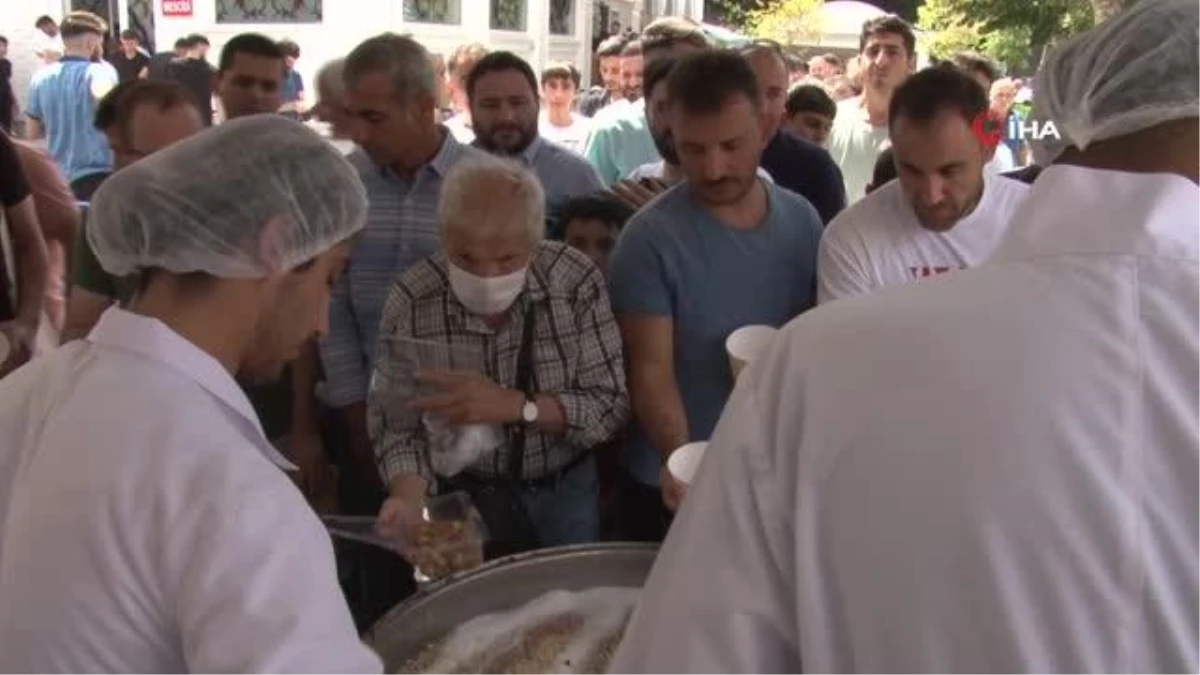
145	522
943	213
994	471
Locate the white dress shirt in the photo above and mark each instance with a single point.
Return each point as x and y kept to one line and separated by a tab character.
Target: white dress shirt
879	241
992	471
146	525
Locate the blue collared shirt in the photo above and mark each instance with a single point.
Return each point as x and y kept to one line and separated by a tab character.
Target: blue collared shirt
401	229
563	175
62	96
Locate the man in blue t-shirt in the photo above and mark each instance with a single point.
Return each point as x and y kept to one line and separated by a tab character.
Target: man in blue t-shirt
62	104
721	250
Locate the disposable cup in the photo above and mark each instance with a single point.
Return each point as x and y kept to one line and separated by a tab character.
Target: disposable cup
684	462
745	344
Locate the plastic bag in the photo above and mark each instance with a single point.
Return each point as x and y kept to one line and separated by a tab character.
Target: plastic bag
451	449
448	538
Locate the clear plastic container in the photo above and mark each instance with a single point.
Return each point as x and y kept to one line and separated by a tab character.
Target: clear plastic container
447	538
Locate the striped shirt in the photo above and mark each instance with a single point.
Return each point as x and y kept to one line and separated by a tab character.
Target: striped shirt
577	358
401	229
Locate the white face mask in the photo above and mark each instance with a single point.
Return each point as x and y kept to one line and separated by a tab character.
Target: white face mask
486	295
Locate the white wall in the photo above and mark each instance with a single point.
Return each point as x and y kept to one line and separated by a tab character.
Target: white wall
347	23
16	24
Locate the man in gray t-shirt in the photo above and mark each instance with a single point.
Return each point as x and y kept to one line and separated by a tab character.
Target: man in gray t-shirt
722	250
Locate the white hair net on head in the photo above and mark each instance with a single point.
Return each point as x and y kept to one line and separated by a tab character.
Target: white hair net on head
1134	71
249	198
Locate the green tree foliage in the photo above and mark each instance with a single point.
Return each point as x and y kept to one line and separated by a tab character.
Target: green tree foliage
786	21
1013	32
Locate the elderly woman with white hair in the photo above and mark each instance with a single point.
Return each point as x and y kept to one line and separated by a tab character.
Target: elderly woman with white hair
548	389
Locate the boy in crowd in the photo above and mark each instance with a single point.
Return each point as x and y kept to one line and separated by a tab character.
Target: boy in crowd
810	112
591	223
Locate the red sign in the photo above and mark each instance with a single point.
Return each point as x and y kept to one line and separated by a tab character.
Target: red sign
177	7
988	128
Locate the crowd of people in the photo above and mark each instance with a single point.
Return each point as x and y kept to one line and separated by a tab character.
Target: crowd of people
972	446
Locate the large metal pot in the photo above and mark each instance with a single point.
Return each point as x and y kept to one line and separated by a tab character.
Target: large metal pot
503	584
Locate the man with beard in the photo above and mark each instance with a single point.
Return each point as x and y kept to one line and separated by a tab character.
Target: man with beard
887	52
503	99
946	212
648	180
620	141
716	252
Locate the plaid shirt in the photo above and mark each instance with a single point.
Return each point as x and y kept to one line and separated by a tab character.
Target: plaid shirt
577	358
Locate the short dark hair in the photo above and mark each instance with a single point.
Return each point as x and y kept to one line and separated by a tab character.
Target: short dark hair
666	32
810	98
611	46
289	48
43	20
79	23
561	70
888	24
632	47
181	43
764	46
884	171
254	44
702	82
116	109
498	62
833	60
130	34
925	94
3	40
654	74
198	39
974	62
601	206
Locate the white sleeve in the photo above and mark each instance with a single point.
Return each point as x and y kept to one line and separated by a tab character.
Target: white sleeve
717	599
841	273
259	592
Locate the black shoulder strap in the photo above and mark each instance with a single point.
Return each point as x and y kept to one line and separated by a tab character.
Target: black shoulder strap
525	385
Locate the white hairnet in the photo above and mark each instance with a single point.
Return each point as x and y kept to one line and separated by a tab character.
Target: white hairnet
1134	71
247	199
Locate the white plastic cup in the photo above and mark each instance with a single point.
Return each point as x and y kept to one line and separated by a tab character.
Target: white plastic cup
745	344
684	462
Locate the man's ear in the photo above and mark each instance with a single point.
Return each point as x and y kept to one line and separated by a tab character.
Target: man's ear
270	246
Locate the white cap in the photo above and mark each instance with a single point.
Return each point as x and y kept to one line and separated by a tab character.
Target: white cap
249	198
1135	71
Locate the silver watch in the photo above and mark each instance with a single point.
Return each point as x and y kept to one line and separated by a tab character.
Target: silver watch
529	412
